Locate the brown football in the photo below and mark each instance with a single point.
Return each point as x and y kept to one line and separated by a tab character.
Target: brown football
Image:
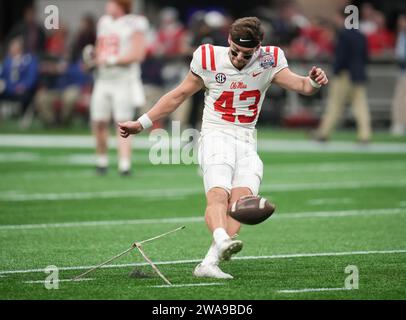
251	210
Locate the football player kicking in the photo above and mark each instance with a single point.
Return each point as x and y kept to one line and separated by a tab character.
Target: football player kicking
235	79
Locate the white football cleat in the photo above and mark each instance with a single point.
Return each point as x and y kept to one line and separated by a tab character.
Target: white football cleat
227	248
210	271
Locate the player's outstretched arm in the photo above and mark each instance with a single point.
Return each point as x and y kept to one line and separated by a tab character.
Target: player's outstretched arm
304	85
166	105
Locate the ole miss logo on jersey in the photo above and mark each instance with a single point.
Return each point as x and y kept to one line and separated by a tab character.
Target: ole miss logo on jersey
221	78
238	85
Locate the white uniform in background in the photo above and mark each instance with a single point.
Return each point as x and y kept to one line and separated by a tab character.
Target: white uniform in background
233	99
118	89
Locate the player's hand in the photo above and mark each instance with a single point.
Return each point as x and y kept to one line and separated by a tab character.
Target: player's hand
318	75
129	127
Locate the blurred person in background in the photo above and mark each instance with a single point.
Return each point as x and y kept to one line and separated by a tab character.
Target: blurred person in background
171	47
118	89
56	100
18	75
86	35
381	41
287	23
171	37
217	28
399	99
53	66
56	43
348	83
51	70
314	40
367	23
31	31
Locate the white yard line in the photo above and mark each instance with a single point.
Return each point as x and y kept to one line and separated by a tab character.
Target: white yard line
90	172
321	254
264	145
337	166
189	285
298	146
278	256
160	171
323	201
312	290
292	215
101	194
157	286
60	280
160	193
102	223
282	187
19	157
341	213
75	160
89	159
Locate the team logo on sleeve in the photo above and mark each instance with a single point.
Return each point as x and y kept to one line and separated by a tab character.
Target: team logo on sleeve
221	77
267	61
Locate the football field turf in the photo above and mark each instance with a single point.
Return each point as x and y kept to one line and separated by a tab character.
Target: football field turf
344	207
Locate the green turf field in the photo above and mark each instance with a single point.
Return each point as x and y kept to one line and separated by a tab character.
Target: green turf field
335	209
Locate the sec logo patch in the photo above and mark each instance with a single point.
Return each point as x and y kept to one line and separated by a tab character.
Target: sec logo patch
221	77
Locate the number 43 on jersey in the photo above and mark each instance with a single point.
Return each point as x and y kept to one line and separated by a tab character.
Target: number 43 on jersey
224	105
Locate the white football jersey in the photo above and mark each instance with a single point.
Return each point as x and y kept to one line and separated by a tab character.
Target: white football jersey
233	97
114	40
